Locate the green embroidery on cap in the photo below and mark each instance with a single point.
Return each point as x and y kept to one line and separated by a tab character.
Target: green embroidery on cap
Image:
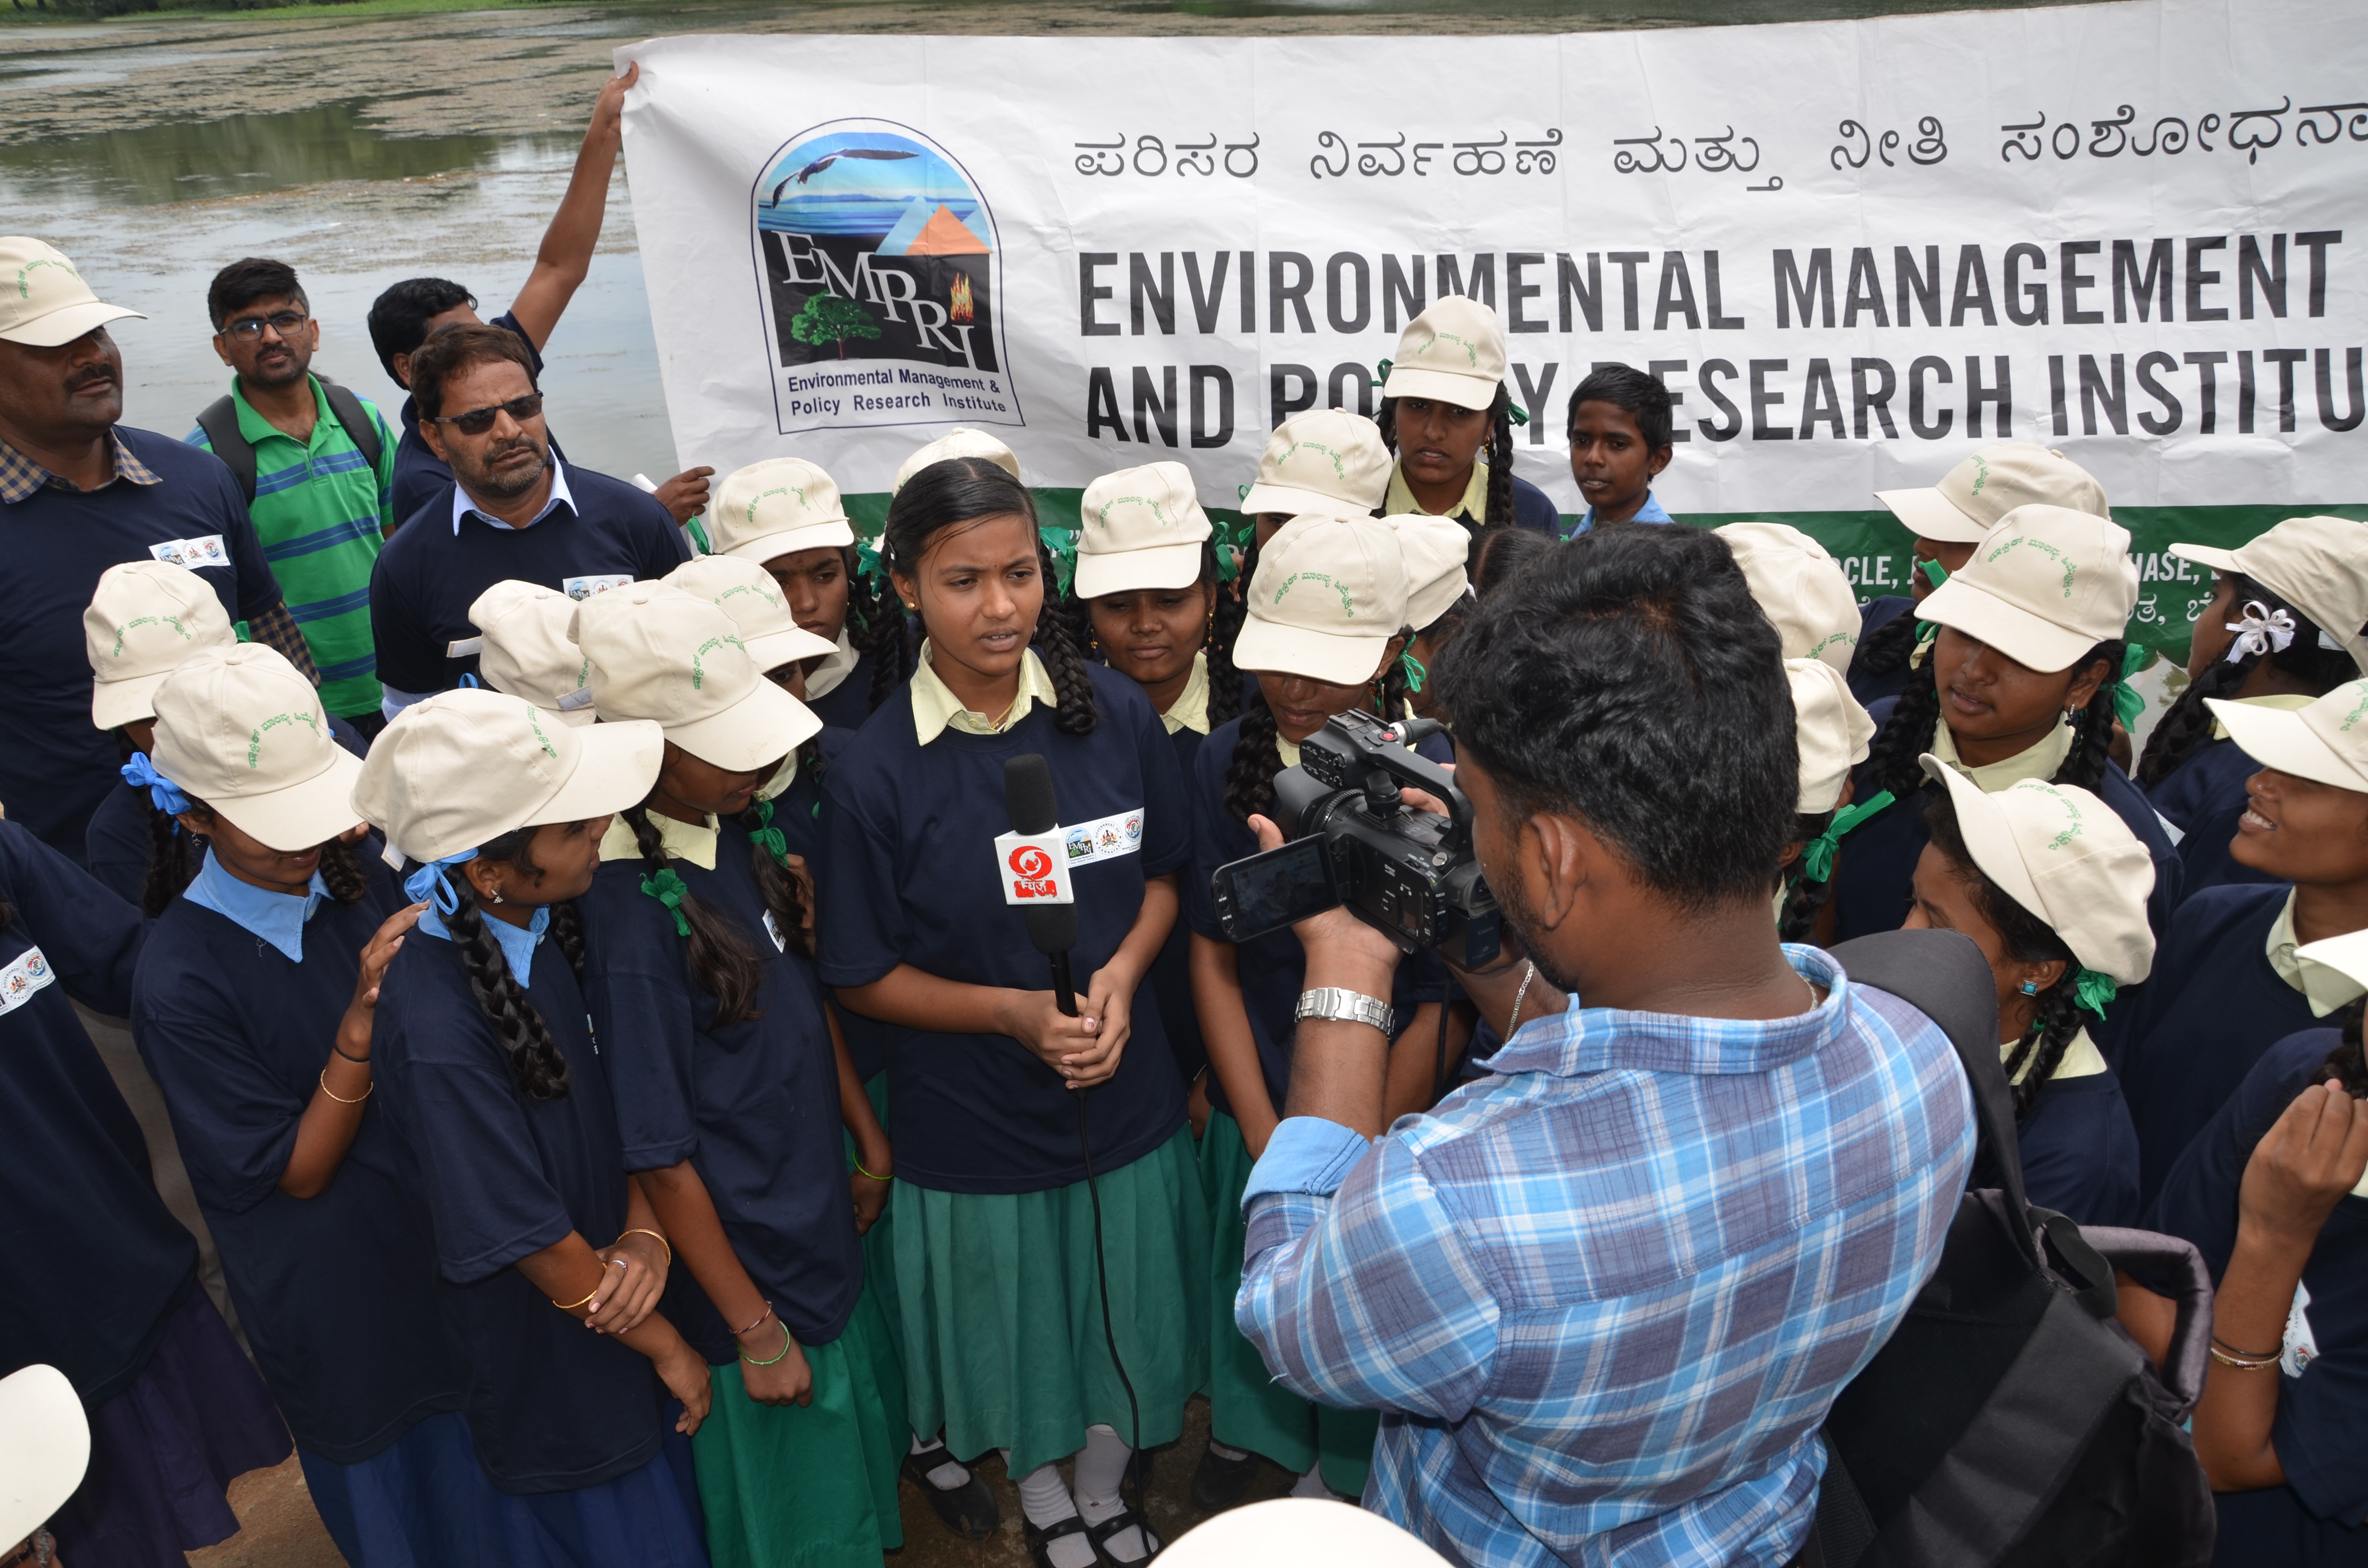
1471	349
767	594
2040	545
1981	473
1347	604
699	656
2073	827
534	717
254	737
24	275
804	505
1847	638
137	621
1163	520
2357	709
1340	469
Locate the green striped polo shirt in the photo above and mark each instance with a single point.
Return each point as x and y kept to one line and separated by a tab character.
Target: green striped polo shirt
321	512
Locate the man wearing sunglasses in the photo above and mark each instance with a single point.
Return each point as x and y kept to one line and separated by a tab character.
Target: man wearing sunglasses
512	511
317	465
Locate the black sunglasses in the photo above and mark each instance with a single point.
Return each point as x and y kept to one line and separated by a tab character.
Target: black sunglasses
477	420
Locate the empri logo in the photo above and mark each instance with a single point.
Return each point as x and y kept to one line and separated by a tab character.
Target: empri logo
792	490
2357	709
137	621
1149	502
877	262
698	657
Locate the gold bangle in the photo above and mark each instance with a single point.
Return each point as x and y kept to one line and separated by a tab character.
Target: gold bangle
868	1175
2240	1364
638	1231
571	1306
340	1098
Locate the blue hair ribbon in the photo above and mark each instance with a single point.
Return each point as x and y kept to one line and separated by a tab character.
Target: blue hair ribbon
163	791
428	884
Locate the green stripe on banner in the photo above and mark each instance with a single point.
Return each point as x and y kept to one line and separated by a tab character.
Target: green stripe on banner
1874	548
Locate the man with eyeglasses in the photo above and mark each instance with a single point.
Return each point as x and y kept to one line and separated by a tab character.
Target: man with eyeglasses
512	511
317	465
80	493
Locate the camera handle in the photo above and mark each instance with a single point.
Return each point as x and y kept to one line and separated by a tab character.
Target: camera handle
1400	763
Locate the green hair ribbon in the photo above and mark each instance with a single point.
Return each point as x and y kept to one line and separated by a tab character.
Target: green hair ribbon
1414	673
697	534
1817	855
1935	573
669	889
1381	373
1926	633
769	836
1231	541
2129	704
1062	544
866	558
2093	990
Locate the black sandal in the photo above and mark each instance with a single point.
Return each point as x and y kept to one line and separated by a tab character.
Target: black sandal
969	1510
1118	1524
1039	1541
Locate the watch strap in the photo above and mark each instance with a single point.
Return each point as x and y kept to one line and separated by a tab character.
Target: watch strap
1335	1004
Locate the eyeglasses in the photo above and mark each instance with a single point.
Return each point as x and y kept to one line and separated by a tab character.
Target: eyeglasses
247	329
477	420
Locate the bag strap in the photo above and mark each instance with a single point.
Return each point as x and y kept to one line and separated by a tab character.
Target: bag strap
1943	976
219	421
2171	1265
351	413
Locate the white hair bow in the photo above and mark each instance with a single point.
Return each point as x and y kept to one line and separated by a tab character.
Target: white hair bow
2262	631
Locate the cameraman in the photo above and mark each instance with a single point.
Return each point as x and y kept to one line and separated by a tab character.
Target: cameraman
1615	1286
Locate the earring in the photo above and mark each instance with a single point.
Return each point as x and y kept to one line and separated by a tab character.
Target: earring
2031	988
495	895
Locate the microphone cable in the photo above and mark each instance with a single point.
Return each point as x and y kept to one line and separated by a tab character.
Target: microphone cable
1109	1337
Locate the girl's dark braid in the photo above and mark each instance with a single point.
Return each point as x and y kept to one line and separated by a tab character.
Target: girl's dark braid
2092	732
875	628
1884	650
1392	688
1225	629
174	860
1905	735
342	873
2189	724
536	1065
2343	1065
811	765
1058	646
2043	1043
721	963
785	892
566	932
1499	496
1804	896
1249	777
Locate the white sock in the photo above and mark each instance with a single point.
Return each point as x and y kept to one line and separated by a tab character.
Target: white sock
1230	1456
947	1475
1101	1469
1312	1484
1046	1501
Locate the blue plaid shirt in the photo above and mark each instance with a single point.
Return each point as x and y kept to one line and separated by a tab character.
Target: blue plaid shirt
1604	1298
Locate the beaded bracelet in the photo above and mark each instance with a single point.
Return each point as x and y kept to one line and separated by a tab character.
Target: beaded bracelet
340	1098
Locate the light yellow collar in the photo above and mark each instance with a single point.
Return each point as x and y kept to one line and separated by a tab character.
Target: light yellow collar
2327	988
2039	762
2081	1059
1190	709
1287	750
2286	702
783	777
679	839
936	708
825	677
1400	500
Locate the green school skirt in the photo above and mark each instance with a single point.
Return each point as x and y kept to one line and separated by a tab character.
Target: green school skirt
1000	1316
814	1486
1247	1409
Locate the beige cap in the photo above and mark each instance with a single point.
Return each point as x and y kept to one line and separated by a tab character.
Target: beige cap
2334	972
659	653
464	767
775	507
1832	730
1144	529
746	592
1973	497
1326	463
2326	742
2042	587
1299	1532
1329	596
43	300
146	617
1799	587
44	1449
1453	352
524	649
1435	549
2320	565
240	730
2065	856
958	442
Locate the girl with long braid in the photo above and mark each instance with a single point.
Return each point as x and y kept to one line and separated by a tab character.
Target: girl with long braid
496	1089
2281	628
2020	680
731	1086
2051	887
1444	399
1831	732
1325	634
1002	1218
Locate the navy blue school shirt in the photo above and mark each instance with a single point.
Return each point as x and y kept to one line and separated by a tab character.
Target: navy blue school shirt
337	1292
753	1105
2079	1151
550	1406
419	474
1171	973
908	875
430	572
848	704
1873	616
56	767
2315	1518
1874	874
2213	1004
100	1264
1273	967
2202	797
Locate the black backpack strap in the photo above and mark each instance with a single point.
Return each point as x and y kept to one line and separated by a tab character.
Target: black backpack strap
358	425
219	421
1943	976
2171	1267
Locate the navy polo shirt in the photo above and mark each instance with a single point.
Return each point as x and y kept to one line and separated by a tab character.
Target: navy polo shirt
552	1406
908	875
1873	616
98	1261
848	703
1534	510
430	572
337	1292
56	766
2079	1151
419	474
2202	797
1171	973
2314	1520
2213	1004
753	1105
1272	968
1875	872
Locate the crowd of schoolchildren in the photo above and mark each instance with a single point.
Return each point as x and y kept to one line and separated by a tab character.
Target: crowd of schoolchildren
734	1157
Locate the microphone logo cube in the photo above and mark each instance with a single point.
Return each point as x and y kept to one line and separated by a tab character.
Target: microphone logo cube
1033	869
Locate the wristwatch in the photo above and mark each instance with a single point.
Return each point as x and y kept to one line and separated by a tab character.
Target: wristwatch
1332	1003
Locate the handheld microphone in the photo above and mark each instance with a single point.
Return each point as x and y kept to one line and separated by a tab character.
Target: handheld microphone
1052	927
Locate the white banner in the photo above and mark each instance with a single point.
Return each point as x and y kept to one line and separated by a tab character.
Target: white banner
1852	250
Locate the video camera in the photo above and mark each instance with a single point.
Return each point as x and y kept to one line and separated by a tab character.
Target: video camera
1408	873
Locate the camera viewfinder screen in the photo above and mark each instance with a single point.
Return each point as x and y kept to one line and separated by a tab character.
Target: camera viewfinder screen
1271	891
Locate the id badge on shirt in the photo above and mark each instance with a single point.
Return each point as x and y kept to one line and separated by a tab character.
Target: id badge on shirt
773	929
28	972
195	554
585	587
